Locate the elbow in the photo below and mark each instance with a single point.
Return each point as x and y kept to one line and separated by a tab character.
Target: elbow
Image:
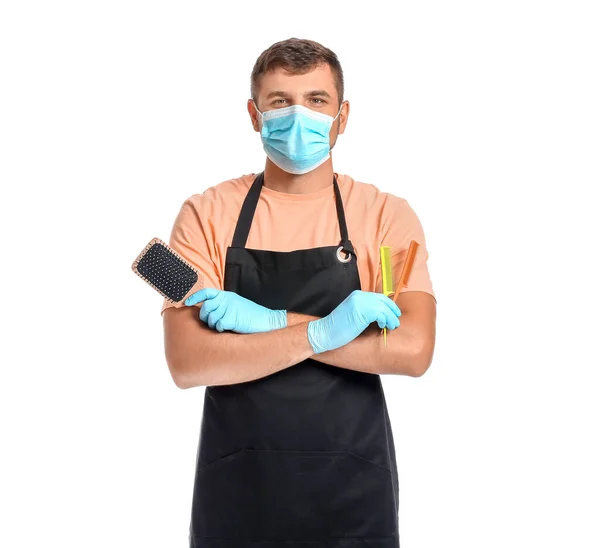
176	367
181	382
421	359
178	375
187	370
181	376
420	369
185	345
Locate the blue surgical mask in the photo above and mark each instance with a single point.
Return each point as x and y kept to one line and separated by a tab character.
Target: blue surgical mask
296	138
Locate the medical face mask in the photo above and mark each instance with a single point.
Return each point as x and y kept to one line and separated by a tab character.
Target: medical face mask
296	138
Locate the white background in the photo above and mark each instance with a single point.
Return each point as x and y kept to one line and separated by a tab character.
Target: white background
483	115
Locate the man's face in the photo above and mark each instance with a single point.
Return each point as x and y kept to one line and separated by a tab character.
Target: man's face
315	90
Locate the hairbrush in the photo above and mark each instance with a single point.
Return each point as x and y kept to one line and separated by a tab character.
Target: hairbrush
165	270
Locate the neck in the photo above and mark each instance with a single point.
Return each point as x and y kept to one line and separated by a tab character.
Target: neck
313	181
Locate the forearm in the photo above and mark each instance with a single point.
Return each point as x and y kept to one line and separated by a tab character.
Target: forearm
228	358
367	352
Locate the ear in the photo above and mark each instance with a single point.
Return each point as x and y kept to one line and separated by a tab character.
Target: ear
344	113
254	116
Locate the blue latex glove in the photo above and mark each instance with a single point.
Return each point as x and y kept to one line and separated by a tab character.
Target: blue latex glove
228	311
350	318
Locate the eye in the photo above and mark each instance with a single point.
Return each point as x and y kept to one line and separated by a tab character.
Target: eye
317	99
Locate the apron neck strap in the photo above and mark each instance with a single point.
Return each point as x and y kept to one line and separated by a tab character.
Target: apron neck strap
242	229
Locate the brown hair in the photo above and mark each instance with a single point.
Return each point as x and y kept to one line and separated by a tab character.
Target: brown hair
297	56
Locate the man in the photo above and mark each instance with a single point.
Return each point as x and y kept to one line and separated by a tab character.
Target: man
296	447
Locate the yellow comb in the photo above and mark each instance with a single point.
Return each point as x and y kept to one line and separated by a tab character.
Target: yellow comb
387	284
386	273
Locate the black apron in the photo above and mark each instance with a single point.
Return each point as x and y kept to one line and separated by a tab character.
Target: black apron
302	458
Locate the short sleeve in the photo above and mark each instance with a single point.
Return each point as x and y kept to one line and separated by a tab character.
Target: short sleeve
192	237
403	225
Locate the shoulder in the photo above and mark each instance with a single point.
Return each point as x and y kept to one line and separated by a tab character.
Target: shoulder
223	196
368	194
385	212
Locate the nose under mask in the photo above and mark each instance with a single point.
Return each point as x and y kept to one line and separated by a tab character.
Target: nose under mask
296	138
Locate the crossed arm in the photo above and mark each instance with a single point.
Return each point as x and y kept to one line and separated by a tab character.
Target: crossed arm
409	348
199	356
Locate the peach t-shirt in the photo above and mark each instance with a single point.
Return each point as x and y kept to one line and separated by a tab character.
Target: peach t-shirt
204	227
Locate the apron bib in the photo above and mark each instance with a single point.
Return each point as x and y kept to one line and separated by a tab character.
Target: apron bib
303	458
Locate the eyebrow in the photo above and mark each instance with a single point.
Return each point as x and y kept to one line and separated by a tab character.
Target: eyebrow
313	93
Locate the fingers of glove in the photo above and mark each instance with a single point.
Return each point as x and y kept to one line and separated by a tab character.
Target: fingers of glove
366	303
368	311
229	321
212	304
209	307
389	302
203	294
215	316
392	320
219	326
223	324
384	322
384	317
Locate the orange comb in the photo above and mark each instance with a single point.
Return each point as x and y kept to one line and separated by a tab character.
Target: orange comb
406	268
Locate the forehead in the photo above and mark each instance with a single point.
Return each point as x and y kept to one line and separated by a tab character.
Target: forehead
321	77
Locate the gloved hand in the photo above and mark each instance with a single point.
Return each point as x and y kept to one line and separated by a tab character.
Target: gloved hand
350	318
228	311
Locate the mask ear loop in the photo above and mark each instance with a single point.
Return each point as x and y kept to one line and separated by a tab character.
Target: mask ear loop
331	148
259	112
254	103
338	112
